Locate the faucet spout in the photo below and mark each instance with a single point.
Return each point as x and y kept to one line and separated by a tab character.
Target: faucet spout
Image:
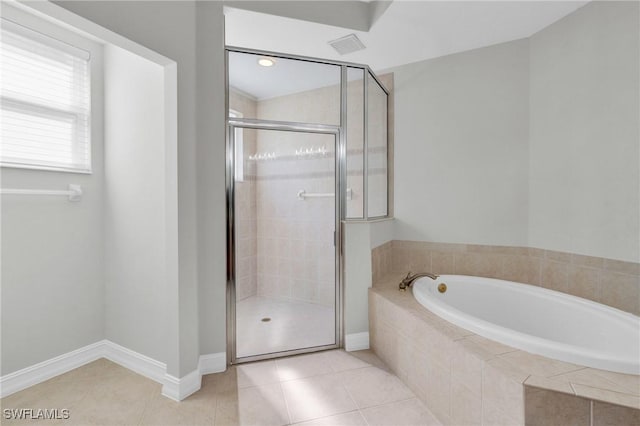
409	279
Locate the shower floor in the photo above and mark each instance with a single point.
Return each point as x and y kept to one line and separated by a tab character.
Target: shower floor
292	325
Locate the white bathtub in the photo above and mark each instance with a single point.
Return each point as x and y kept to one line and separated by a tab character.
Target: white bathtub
537	320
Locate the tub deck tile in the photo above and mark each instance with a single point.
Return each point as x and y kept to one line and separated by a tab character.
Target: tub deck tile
539	365
590	377
549	384
504	372
604	395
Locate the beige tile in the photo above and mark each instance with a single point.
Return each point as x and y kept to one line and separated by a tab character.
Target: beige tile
490	346
603	395
466	367
549	384
521	269
478	264
260	405
298	367
316	397
224	382
584	282
410	412
195	410
438	390
94	370
508	250
367	356
371	386
502	387
447	247
466	406
535	252
419	259
353	418
227	412
547	408
555	275
538	365
621	291
614	415
599	379
631	268
629	383
65	394
120	399
442	263
493	415
475	346
558	256
257	374
589	261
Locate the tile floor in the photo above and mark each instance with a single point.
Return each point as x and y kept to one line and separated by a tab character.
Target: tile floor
325	388
293	325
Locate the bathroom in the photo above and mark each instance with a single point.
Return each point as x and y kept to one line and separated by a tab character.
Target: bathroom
510	151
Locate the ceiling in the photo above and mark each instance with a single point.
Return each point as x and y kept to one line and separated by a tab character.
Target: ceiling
406	31
284	78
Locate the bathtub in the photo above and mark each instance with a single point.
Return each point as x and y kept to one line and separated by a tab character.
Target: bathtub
537	320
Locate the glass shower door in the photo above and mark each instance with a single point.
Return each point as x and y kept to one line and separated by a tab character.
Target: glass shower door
285	217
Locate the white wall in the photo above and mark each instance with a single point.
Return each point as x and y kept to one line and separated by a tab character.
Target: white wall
135	223
52	252
585	128
528	143
191	34
359	238
461	152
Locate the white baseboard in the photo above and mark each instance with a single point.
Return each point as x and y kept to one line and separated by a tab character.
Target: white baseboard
134	361
173	387
356	341
212	363
38	373
180	388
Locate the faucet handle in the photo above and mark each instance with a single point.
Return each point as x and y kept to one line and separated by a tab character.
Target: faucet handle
408	275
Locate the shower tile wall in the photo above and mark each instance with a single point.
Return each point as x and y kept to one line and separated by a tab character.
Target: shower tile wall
246	225
295	237
323	106
284	245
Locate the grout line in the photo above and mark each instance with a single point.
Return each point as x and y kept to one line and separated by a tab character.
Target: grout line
573	389
284	397
567	372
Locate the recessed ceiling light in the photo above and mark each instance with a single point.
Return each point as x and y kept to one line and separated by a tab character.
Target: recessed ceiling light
267	62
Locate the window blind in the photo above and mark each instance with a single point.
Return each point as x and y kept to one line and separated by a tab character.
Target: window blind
45	102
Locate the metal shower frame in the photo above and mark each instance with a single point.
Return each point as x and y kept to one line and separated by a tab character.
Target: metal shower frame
340	190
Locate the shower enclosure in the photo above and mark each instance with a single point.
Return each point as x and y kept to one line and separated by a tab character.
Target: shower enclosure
306	150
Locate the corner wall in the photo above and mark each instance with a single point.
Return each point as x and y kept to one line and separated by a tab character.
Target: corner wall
52	249
531	143
135	223
584	158
190	33
461	147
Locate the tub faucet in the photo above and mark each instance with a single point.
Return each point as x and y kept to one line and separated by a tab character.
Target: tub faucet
409	279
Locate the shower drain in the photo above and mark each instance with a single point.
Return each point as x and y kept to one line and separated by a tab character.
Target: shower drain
265	319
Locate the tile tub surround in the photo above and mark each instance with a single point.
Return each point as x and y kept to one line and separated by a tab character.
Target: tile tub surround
464	378
607	281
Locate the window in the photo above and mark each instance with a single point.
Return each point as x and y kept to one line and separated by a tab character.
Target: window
239	148
45	102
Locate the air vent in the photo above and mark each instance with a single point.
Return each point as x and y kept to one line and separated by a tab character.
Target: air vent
347	44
